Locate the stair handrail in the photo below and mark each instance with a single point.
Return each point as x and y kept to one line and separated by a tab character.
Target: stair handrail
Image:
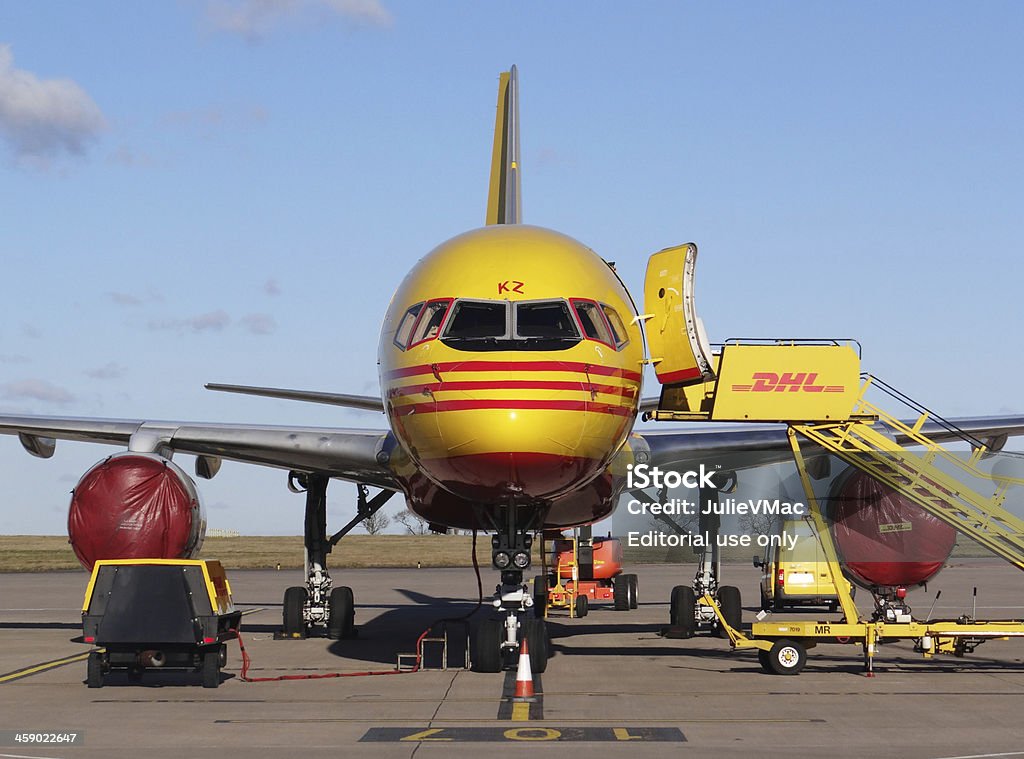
921	409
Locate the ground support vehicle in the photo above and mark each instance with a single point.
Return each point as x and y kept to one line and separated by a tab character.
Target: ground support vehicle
586	569
147	614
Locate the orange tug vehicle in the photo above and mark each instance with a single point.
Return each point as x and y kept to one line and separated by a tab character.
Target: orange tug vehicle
585	569
148	614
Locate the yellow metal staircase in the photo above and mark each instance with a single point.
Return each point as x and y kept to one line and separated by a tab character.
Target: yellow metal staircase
949	485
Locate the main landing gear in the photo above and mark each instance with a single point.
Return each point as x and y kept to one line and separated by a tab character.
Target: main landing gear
318	604
498	638
686	613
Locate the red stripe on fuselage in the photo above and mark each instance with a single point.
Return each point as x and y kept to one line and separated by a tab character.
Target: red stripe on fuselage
514	366
435	387
466	405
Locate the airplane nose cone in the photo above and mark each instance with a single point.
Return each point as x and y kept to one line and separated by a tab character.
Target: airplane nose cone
521	474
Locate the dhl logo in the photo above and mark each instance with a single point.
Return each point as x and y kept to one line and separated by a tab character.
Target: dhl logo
793	382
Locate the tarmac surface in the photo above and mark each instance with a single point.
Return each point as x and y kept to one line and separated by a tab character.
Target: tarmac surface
612	682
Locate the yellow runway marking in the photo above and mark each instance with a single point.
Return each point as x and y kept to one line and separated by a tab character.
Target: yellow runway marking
520	711
37	668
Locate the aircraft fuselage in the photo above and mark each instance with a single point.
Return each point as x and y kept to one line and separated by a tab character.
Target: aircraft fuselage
510	367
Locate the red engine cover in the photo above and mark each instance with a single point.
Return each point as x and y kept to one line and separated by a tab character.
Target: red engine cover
133	506
884	538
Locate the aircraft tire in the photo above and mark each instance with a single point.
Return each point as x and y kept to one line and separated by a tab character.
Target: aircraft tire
540	596
536	632
732	608
294	601
487	657
684	609
342	615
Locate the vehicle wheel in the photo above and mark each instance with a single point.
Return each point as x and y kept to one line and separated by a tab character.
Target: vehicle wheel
787	657
536	631
684	609
487	657
634	591
342	615
540	596
211	669
94	670
731	607
582	605
766	603
222	656
294	602
765	661
620	592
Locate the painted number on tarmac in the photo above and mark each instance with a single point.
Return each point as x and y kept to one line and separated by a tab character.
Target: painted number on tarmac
522	734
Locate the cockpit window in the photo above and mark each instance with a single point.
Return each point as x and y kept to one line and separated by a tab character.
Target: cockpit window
477	320
615	322
429	323
476	325
549	319
594	325
405	326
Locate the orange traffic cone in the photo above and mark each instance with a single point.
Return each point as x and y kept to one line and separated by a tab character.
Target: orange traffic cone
524	675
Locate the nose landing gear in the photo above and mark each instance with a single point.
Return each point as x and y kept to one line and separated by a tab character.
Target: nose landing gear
498	638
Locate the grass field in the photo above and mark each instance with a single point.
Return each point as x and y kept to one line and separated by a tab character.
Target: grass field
35	553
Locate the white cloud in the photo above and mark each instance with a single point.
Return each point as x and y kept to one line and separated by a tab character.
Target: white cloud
259	324
252	19
36	390
214	321
44	118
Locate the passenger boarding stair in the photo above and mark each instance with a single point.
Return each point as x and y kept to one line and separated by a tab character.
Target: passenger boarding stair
950	486
815	388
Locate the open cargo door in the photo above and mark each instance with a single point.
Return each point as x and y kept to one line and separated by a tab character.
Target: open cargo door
679	347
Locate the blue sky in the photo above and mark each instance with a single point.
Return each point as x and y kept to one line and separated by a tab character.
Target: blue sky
230	191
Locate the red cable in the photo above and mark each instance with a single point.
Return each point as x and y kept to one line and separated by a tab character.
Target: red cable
246	661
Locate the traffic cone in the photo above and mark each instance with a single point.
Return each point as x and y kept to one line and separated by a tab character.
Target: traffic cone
524	675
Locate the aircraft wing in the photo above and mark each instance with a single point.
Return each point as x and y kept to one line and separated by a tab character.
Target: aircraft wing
743	446
349	454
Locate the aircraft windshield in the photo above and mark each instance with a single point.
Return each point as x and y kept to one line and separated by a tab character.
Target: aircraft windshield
535	325
545	319
475	320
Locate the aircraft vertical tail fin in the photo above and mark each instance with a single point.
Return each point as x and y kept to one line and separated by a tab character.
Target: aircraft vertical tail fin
503	202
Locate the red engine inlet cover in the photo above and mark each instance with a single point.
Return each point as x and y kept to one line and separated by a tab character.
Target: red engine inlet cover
134	506
884	538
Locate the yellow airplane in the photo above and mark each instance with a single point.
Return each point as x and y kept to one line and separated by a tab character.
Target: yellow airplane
511	360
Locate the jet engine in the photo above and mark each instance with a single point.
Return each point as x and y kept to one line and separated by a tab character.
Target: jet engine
885	539
135	506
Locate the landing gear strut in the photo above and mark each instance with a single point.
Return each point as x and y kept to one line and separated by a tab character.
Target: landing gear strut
497	639
687	614
318	604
